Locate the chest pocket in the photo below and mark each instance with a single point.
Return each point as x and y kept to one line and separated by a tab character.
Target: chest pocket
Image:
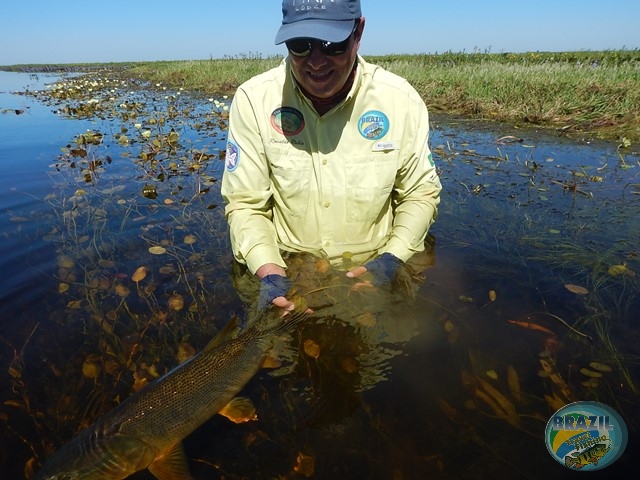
369	182
291	175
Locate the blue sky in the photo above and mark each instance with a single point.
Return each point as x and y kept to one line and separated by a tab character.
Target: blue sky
70	31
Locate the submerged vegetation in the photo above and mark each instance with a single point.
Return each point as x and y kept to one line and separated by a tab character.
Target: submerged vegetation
529	300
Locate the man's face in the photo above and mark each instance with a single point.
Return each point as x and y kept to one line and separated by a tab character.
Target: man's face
323	75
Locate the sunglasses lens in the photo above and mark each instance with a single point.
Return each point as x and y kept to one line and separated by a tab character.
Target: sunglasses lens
339	48
299	47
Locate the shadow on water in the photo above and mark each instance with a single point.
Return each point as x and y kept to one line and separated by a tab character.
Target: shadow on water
117	267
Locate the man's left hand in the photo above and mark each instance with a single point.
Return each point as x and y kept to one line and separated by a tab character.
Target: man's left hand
383	269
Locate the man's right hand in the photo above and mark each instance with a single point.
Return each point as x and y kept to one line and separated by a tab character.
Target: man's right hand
274	287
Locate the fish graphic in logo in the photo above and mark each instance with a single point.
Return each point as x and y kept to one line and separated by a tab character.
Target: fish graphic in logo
590	455
287	120
373	125
586	436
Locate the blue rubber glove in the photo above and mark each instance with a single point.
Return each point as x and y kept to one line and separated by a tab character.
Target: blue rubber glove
272	286
383	268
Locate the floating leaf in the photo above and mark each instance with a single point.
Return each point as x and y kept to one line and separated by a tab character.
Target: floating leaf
448	326
600	367
555	402
621	270
189	239
492	374
322	265
577	289
590	373
122	291
64	261
591	383
157	250
311	348
514	383
366	319
106	263
149	191
305	465
176	302
139	274
166	270
492	295
75	304
90	368
349	364
63	287
185	352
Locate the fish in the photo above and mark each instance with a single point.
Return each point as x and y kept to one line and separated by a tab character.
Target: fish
146	430
590	455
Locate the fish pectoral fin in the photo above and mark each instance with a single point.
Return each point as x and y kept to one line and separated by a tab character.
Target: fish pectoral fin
171	465
239	410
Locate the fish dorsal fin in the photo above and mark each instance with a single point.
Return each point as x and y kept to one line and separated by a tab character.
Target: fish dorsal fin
223	335
172	465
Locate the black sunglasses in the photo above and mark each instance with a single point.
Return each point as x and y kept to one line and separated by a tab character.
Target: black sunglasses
302	47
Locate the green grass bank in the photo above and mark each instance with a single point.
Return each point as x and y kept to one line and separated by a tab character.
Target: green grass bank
584	93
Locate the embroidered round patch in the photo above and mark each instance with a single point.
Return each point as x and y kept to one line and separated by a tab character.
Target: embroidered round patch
373	125
232	158
287	120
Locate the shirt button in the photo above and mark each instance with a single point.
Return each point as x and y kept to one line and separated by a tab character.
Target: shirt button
327	205
324	162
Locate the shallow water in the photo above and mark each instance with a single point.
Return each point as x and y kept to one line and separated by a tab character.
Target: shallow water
393	392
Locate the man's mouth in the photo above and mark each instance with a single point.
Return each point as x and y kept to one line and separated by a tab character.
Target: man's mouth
319	76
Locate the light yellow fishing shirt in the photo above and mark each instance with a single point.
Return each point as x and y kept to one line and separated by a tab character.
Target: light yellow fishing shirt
358	179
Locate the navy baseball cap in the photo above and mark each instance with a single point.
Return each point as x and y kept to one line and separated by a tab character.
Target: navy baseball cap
328	20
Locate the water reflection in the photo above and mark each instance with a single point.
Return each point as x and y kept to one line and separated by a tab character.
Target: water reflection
456	380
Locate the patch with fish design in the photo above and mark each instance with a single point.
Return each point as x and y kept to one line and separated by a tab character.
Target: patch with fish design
586	436
287	121
373	125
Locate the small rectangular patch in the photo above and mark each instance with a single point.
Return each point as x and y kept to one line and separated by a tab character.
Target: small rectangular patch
383	146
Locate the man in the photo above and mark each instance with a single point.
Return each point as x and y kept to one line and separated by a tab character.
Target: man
327	154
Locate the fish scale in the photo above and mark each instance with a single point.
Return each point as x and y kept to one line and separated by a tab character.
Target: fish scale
146	430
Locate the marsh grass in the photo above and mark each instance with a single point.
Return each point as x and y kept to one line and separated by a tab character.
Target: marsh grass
597	92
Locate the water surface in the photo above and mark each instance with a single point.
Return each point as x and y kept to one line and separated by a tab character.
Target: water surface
116	265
